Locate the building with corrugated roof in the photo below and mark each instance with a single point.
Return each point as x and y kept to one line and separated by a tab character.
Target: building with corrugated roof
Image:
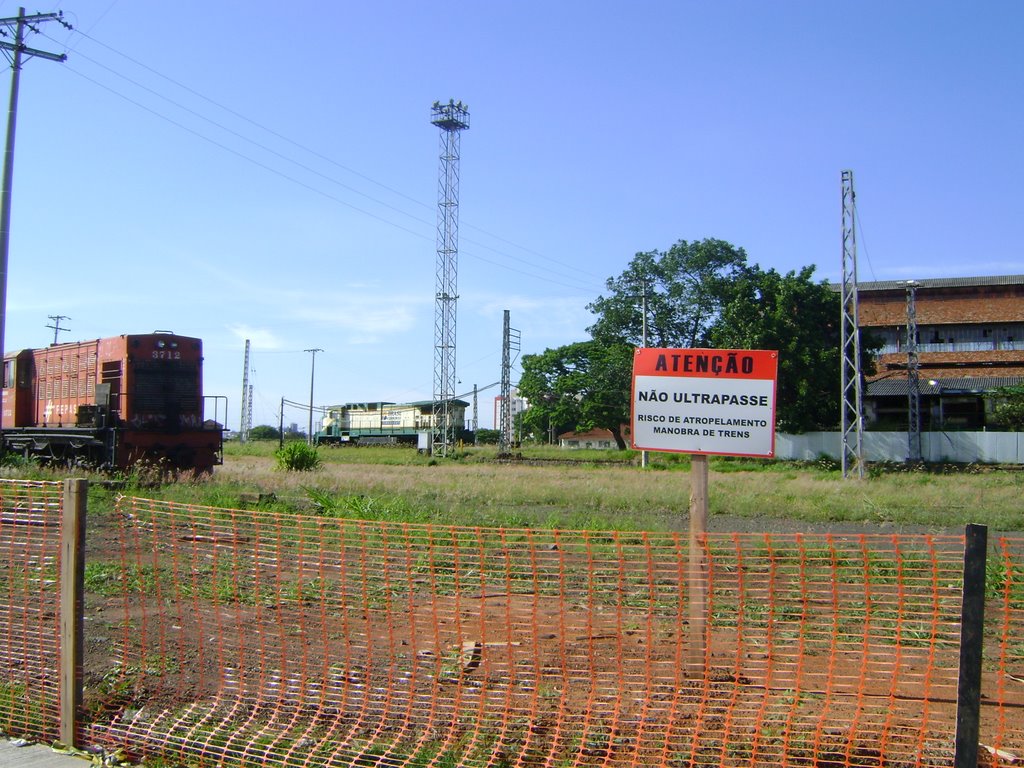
970	341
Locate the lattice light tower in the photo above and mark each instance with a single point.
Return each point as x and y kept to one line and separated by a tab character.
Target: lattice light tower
853	422
452	118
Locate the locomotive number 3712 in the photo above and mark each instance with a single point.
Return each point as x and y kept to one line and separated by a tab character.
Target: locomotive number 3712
166	354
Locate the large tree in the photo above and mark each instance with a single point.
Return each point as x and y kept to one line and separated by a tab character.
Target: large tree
801	319
699	294
1008	412
580	386
683	290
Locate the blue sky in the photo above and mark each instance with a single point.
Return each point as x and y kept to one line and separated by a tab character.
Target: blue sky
268	171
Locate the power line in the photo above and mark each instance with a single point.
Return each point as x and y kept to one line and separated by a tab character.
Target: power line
311	151
316	190
863	240
245	157
545	268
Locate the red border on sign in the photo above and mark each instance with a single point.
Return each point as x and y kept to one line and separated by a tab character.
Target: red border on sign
707	363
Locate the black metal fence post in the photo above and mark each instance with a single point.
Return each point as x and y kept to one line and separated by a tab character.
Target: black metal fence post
972	624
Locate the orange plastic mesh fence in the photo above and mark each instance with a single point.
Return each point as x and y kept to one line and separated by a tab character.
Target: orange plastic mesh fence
255	638
30	520
218	636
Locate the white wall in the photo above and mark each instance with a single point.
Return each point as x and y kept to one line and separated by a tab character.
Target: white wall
961	447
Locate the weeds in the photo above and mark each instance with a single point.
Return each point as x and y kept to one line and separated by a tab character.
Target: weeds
1004	579
608	490
21	712
17	461
298	457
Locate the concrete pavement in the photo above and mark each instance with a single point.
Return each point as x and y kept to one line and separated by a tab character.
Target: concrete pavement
37	756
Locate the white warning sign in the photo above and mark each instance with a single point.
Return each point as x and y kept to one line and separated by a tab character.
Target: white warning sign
713	401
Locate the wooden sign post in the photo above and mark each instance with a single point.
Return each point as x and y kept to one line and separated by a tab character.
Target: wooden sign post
703	402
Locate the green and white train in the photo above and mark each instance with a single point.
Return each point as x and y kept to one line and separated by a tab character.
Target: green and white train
381	423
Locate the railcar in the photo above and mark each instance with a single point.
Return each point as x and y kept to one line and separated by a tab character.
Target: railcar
111	404
383	423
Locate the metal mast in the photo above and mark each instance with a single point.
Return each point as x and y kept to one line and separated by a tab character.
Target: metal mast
853	421
451	118
644	458
913	387
312	375
245	422
510	341
476	415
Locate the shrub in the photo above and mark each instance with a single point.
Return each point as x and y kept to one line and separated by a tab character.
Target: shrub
11	459
1008	413
264	432
297	457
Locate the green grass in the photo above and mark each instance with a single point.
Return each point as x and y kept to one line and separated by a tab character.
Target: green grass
584	490
20	712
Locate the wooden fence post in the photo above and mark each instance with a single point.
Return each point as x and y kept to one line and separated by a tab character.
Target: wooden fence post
72	578
697	580
972	626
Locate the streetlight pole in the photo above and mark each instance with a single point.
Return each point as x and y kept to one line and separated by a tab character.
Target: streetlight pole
643	343
312	375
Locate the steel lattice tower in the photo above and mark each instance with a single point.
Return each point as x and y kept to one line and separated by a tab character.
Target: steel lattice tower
853	421
510	341
913	387
245	422
476	419
452	118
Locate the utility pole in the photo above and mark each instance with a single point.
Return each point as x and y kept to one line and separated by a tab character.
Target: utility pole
312	374
56	325
280	427
14	53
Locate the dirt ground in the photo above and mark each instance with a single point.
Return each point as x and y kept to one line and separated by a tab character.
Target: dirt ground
547	671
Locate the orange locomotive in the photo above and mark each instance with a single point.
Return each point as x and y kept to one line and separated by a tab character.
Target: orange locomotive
110	403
